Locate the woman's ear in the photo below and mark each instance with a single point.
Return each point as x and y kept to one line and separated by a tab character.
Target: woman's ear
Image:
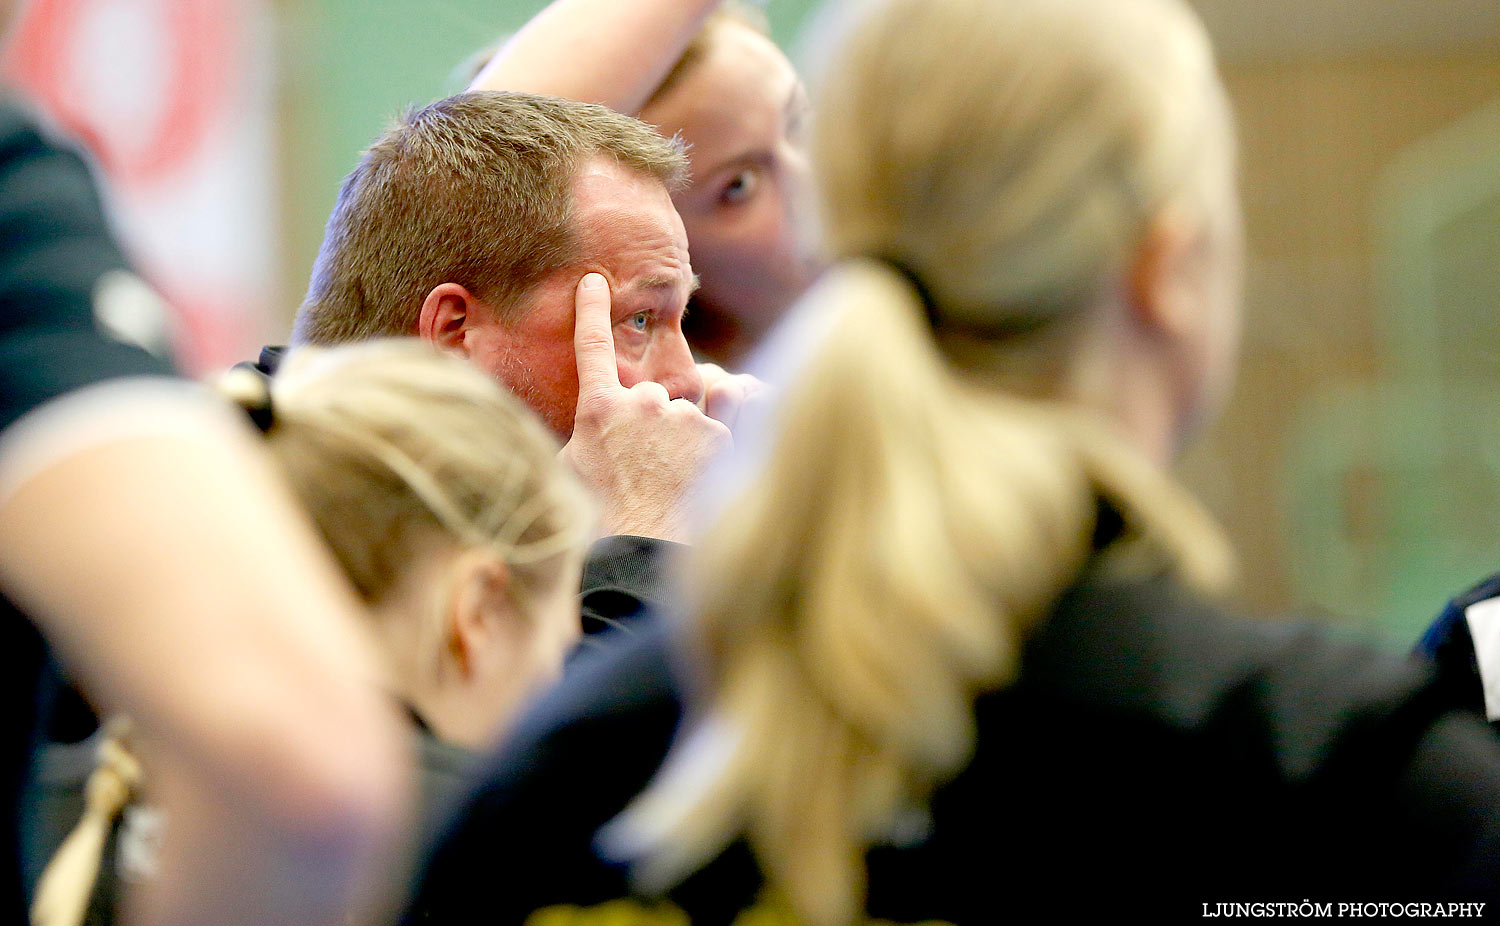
479	613
1162	278
448	312
1184	304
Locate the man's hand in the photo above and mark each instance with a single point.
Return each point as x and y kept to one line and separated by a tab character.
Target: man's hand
637	450
726	394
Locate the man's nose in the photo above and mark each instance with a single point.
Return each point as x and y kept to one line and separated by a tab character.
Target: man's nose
674	368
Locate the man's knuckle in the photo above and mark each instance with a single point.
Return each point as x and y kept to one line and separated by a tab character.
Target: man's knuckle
652	393
594	405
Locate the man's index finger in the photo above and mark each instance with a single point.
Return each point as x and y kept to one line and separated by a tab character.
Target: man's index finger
593	337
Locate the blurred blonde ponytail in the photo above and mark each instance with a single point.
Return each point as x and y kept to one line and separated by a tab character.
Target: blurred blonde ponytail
928	489
884	569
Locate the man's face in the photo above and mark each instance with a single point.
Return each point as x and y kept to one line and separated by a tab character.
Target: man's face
629	232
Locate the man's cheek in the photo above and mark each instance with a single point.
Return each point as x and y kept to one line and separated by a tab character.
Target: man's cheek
629	370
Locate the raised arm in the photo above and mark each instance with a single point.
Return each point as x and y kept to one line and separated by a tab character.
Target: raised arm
179	584
614	52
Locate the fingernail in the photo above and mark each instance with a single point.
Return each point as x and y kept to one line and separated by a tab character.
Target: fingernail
593	281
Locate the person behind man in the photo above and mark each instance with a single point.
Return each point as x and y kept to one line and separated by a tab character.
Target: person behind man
472	223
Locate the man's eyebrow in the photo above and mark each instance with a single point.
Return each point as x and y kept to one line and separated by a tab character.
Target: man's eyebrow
663	281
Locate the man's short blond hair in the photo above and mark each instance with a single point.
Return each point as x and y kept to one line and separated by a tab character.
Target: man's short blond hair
476	189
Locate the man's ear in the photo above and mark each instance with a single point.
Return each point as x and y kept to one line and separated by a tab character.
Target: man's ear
478	614
1162	297
448	312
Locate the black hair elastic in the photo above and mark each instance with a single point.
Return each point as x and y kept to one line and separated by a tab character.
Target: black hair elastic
1017	325
924	295
257	403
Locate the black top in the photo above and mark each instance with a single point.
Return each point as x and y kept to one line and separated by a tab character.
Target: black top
623	579
1154	755
54	246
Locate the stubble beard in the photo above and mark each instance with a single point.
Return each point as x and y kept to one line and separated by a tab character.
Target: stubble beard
517	375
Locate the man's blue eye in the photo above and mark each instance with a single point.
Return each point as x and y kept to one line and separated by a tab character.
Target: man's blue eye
640	321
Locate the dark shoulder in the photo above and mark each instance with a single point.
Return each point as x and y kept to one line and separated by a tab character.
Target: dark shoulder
1182	753
46	189
56	250
1152	649
624	675
575	761
624	579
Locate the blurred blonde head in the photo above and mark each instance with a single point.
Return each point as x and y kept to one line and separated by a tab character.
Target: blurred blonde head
441	497
1032	209
1039	145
